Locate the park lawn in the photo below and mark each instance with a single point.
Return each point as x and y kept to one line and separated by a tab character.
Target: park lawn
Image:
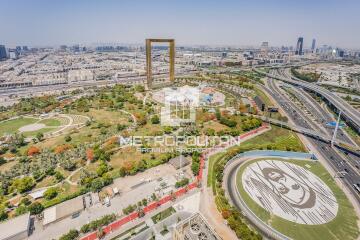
215	125
65	191
148	129
279	138
51	122
33	133
343	227
263	97
46	182
12	126
130	156
82	135
107	117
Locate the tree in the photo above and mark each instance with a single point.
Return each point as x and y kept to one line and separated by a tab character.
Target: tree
24	184
68	164
2	161
50	193
68	138
25	201
59	176
33	151
36	208
40	136
97	184
103	168
90	154
21	210
3	215
155	119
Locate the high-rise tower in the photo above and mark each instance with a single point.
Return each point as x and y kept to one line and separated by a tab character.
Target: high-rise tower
313	45
299	46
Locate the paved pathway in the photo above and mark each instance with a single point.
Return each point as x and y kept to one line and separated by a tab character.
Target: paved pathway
208	207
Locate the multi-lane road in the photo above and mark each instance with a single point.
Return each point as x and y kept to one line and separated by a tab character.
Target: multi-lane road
346	166
351	115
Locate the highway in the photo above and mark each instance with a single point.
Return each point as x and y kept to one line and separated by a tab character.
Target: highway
348	170
319	116
351	115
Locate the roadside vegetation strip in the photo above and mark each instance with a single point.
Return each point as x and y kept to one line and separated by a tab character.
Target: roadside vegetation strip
343	226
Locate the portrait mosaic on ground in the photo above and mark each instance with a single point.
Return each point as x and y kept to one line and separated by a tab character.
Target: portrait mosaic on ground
290	192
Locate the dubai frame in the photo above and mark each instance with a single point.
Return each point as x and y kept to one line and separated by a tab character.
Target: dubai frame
148	59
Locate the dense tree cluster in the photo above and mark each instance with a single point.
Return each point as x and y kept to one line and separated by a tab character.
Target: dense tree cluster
195	165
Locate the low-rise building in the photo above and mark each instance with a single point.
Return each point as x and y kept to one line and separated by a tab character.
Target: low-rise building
63	210
16	228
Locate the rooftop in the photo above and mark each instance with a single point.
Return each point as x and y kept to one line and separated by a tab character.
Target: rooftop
63	210
195	228
14	226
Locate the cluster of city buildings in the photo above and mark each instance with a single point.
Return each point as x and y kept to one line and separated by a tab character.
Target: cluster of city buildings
24	67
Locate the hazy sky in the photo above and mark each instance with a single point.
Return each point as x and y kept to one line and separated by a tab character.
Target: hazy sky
200	22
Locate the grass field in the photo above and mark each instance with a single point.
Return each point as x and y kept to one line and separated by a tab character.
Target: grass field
50	122
11	126
343	227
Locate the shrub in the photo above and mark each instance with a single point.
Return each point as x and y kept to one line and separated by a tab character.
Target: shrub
98	223
68	138
36	208
71	235
50	193
155	119
182	183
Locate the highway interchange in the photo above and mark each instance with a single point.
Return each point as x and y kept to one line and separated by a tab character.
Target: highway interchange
345	164
352	116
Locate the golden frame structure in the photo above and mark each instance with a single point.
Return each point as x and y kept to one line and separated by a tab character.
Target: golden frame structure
148	59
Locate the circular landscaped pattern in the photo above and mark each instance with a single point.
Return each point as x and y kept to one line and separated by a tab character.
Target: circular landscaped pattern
290	192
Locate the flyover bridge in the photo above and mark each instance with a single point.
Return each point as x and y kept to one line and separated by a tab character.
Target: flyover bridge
351	115
311	133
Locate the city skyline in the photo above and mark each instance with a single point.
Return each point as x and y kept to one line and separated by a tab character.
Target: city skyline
42	23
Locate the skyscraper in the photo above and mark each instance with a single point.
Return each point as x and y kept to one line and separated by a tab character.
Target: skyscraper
313	45
299	46
2	52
